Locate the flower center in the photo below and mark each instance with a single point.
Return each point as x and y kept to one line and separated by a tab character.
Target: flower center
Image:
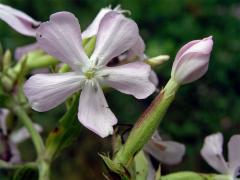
90	73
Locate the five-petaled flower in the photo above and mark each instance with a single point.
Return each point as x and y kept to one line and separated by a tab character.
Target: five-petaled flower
212	152
61	38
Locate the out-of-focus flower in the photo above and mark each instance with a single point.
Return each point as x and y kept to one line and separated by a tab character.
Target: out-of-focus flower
18	20
61	38
166	152
23	50
3	117
21	23
191	61
22	134
9	142
212	153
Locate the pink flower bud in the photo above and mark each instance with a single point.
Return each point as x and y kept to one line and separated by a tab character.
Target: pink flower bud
191	61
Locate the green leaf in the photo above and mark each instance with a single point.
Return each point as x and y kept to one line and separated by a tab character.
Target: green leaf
115	170
25	173
141	166
66	133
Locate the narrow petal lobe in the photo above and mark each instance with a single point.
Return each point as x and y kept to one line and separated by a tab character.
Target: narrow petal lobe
168	152
94	112
21	51
46	91
18	20
132	78
233	154
116	35
212	152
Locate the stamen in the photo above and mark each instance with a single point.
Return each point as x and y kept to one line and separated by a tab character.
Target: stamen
90	73
120	10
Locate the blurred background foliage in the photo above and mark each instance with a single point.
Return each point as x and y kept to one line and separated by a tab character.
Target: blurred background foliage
209	105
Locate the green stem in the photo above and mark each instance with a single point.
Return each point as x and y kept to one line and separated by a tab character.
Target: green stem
36	138
44	170
6	165
38	62
43	165
147	124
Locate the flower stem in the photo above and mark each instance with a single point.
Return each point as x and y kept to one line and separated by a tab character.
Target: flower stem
7	165
36	138
147	124
44	170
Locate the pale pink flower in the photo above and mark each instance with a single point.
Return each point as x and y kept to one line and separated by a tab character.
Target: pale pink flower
92	29
166	152
61	38
10	141
212	152
191	61
21	23
134	53
3	117
18	20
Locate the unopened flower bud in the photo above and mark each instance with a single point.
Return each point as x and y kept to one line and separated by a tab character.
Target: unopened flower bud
154	61
7	57
191	61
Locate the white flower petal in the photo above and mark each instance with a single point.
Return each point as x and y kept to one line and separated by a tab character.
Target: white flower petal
116	35
46	91
192	69
151	170
92	29
153	78
212	152
168	152
21	51
132	78
15	153
3	117
22	134
94	112
192	60
234	153
18	20
182	51
136	52
61	38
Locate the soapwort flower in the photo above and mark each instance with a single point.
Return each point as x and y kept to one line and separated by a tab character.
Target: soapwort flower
18	20
134	53
21	23
212	153
61	38
3	116
166	152
9	140
191	61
